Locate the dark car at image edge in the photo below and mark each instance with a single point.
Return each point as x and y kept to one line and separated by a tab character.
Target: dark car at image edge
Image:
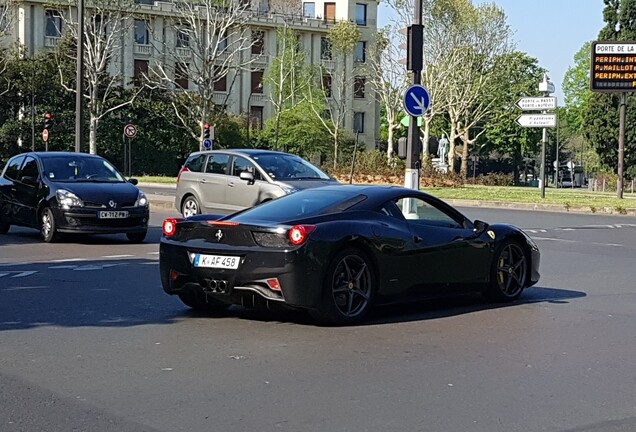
336	251
65	192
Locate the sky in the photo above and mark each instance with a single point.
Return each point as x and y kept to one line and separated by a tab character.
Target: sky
551	31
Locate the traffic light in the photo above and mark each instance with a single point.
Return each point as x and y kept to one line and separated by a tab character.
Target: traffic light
206	131
48	121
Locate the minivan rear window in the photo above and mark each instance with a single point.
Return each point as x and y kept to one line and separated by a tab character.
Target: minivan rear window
195	163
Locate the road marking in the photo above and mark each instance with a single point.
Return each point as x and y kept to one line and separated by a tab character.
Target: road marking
117	256
69	260
25	288
153	253
577	241
24	273
62	267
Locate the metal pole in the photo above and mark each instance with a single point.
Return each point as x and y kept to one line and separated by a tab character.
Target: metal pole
621	144
556	181
32	64
412	179
542	168
79	85
353	161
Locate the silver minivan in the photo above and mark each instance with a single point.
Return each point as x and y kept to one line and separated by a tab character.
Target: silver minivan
231	180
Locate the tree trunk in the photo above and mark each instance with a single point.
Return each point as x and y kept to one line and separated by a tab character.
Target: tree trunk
335	149
451	146
92	137
389	148
425	137
276	130
464	167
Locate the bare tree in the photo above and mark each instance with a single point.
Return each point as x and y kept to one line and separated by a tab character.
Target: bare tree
482	36
329	98
210	43
106	24
388	79
287	78
6	20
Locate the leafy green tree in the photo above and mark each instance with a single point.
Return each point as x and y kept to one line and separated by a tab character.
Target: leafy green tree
331	92
518	76
601	118
297	133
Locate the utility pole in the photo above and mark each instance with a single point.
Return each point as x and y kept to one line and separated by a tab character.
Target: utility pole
79	85
415	60
621	144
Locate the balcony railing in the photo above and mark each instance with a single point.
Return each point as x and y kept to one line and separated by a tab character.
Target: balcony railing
260	58
219	98
51	41
257	98
184	52
142	49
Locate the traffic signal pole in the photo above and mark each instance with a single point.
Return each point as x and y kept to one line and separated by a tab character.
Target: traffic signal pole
415	41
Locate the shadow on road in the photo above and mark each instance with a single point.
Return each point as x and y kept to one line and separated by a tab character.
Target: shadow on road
19	235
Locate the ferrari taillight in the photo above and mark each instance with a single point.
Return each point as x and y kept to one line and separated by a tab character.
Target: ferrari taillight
169	226
299	233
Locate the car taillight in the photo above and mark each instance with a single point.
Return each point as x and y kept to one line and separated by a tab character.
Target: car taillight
182	170
169	226
299	233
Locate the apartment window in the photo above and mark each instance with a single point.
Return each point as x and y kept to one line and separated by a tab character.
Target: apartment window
53	24
325	49
142	35
141	71
181	75
222	42
358	122
360	52
257	80
263	6
258	42
309	9
183	37
326	85
358	87
220	83
330	12
361	14
256	117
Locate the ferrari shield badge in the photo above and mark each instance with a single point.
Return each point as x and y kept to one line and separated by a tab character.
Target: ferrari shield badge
491	234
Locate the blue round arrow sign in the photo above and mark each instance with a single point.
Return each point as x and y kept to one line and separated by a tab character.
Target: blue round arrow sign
416	100
207	143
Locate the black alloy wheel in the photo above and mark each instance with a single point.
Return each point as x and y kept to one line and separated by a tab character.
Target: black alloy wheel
48	227
509	272
348	289
190	207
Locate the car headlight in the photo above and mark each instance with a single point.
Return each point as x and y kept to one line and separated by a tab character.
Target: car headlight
287	189
142	201
68	199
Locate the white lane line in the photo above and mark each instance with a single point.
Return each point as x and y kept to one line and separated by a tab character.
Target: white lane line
69	260
15	264
66	267
25	288
3	274
576	241
117	256
150	263
153	253
24	273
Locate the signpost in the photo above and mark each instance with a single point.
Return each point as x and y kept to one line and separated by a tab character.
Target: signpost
543	120
537	120
416	100
537	103
130	131
45	135
613	70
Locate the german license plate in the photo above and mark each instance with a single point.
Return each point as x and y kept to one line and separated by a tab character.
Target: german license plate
216	261
112	214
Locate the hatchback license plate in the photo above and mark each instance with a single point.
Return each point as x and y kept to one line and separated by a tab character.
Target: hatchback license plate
216	261
112	214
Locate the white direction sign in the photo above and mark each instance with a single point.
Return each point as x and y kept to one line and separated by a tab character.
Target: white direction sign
537	120
537	103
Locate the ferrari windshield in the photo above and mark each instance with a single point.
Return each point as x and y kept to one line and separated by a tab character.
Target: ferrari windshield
306	203
283	166
80	169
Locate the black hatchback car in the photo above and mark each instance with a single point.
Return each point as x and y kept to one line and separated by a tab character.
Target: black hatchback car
60	192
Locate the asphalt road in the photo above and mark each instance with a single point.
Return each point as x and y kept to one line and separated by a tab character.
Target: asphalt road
89	342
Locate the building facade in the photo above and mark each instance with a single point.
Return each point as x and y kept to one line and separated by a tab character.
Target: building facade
39	26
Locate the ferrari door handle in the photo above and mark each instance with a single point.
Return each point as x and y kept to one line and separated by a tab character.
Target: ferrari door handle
231	184
202	181
417	239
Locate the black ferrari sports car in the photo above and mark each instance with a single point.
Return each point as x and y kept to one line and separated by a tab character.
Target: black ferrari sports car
338	250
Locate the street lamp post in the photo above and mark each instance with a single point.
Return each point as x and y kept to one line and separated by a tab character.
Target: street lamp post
546	87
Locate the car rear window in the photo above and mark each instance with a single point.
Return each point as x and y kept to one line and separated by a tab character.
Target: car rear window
195	163
302	204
